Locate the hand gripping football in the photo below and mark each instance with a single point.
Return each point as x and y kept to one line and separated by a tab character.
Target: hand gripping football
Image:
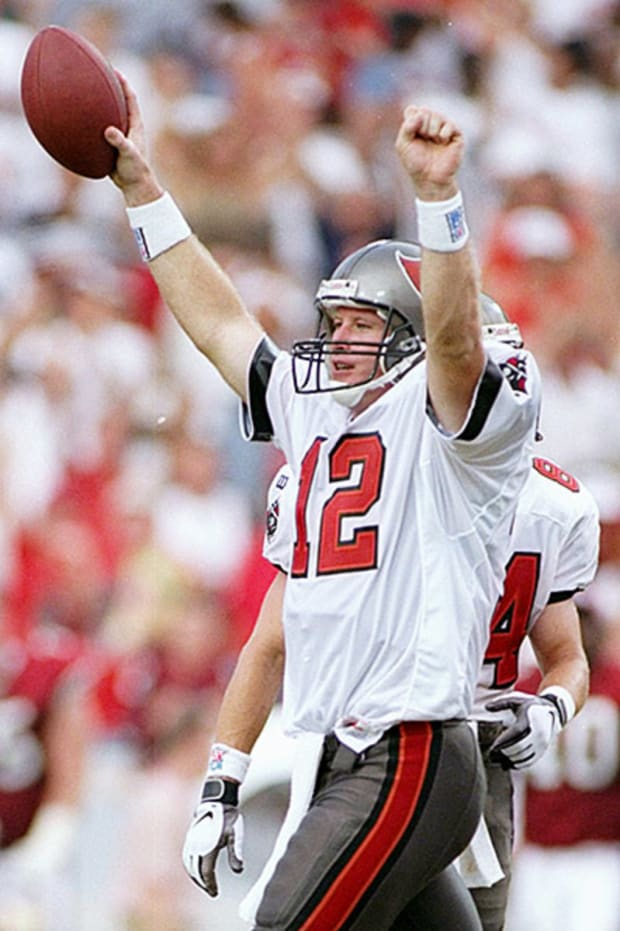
70	94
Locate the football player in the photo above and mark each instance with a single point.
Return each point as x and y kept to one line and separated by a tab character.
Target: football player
568	865
45	727
410	455
555	555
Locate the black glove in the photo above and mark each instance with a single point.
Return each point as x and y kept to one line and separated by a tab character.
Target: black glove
217	823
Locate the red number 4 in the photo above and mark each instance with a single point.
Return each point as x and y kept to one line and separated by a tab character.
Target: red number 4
513	610
511	616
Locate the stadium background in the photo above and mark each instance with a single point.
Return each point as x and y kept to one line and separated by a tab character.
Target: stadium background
130	510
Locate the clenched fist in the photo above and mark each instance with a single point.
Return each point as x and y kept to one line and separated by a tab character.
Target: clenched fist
430	147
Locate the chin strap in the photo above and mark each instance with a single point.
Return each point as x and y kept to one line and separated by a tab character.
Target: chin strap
350	396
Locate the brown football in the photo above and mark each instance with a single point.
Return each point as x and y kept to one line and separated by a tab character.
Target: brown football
70	94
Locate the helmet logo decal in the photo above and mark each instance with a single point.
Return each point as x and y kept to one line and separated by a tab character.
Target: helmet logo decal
411	270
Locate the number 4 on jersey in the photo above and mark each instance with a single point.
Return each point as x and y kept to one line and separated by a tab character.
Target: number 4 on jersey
512	613
510	618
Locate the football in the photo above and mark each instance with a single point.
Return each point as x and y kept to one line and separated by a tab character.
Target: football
70	94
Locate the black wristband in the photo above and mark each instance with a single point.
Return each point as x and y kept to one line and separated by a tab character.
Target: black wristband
220	790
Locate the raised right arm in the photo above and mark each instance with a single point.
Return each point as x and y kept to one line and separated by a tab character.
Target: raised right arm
195	288
431	149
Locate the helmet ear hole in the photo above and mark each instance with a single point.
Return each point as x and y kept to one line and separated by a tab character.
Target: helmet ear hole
403	341
389	357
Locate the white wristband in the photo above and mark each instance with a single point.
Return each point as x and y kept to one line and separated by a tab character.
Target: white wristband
158	226
442	226
563	700
225	761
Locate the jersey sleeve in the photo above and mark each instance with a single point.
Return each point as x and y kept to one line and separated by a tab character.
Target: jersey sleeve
488	457
578	557
478	472
280	520
506	402
255	421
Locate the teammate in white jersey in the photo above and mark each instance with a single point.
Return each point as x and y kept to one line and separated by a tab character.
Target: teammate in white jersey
567	864
410	445
555	556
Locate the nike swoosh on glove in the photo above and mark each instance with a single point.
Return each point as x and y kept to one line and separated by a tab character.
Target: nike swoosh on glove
537	720
214	826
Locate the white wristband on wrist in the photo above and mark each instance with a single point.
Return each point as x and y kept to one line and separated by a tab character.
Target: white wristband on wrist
563	700
225	761
158	226
442	226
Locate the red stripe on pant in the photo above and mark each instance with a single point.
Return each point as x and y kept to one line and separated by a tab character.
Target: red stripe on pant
415	738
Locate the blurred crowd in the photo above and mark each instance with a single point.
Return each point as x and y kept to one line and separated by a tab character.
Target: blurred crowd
131	512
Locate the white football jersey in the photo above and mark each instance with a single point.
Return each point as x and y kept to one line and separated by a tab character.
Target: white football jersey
402	533
555	546
554	555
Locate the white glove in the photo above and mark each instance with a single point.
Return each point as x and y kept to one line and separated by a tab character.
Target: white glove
217	823
536	721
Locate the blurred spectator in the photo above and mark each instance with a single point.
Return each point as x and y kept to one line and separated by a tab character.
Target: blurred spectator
15	37
417	54
128	502
29	180
147	879
578	422
566	871
45	730
503	35
90	346
324	36
563	21
546	90
58	576
32	451
148	583
549	284
200	519
571	113
190	660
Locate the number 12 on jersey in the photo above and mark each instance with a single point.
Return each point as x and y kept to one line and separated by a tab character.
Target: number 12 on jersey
335	552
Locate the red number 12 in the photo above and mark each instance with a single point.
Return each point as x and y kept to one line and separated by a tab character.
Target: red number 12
336	554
